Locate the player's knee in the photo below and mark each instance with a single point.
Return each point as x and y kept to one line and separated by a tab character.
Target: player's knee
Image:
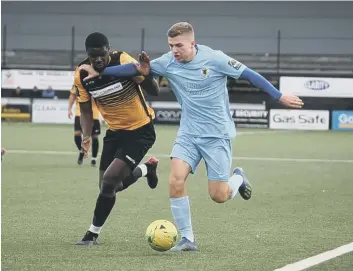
109	186
218	197
218	194
176	184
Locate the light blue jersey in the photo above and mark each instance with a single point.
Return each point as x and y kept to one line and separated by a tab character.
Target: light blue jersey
200	87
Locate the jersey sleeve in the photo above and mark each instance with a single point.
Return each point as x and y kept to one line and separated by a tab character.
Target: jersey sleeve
73	90
126	59
159	65
228	66
157	68
81	93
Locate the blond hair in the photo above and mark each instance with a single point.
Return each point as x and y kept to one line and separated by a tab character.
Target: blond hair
180	29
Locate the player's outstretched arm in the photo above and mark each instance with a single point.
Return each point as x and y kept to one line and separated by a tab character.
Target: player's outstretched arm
147	82
72	99
130	69
125	70
86	120
259	81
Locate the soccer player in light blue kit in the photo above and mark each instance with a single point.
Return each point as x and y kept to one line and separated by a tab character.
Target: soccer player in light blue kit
198	75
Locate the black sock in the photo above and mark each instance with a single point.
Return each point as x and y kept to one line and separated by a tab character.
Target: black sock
137	172
104	206
135	175
95	146
78	141
127	182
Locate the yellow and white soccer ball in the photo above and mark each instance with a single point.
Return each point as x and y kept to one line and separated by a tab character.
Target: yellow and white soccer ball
161	235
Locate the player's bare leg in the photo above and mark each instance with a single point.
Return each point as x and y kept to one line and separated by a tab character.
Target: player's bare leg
108	182
118	170
221	191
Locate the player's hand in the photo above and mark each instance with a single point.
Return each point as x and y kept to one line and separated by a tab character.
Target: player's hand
69	114
138	79
144	66
91	72
291	101
86	143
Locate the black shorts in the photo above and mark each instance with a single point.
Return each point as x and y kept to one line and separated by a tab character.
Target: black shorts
128	146
96	130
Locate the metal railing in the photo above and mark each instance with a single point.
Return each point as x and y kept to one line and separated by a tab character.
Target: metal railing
269	63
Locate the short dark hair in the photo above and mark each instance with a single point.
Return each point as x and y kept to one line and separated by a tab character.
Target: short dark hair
96	40
179	29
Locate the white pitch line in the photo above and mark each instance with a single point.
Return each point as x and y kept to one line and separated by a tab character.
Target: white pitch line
270	159
317	259
264	132
285	159
41	152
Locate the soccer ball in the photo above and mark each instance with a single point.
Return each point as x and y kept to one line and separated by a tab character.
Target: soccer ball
161	235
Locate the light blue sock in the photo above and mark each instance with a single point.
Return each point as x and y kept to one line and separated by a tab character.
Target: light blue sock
182	217
235	182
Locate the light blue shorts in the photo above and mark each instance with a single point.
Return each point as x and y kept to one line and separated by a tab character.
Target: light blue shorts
216	152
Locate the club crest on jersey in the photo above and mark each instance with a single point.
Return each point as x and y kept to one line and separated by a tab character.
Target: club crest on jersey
205	72
234	64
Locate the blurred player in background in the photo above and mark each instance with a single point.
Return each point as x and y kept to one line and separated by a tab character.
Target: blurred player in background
96	130
3	151
130	131
198	75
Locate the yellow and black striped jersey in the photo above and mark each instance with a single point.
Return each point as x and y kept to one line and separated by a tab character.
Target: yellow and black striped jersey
78	112
119	99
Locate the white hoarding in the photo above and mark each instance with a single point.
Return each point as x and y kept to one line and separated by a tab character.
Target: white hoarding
51	111
27	79
299	119
317	87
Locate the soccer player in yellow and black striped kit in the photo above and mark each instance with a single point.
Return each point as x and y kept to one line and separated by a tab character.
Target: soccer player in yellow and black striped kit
130	132
96	129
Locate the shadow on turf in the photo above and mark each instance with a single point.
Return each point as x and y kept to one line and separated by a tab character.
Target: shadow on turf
135	253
